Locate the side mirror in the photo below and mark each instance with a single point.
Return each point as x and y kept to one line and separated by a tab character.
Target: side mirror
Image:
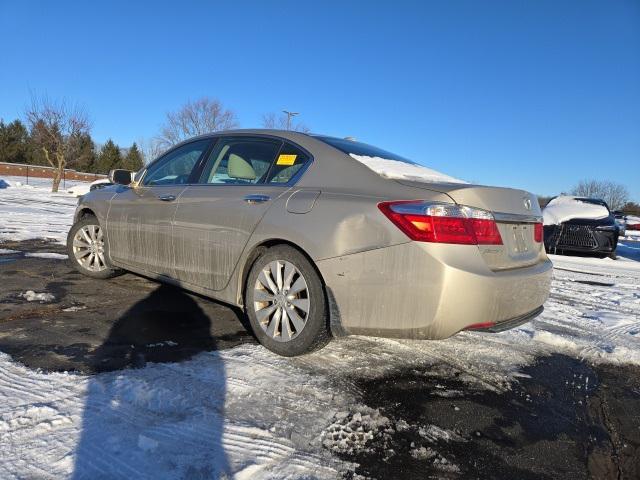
121	177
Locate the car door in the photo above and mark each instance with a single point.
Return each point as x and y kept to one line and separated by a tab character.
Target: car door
215	218
139	222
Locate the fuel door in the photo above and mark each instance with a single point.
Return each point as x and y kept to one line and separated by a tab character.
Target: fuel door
302	201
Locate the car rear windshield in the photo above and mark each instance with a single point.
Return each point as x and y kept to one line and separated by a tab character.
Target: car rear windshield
351	147
387	164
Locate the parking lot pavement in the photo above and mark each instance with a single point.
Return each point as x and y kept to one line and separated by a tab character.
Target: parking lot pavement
96	325
563	418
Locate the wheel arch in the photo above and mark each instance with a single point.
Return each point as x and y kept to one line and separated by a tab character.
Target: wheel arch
85	212
255	253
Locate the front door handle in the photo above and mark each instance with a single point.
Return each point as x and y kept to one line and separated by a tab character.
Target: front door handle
167	198
257	198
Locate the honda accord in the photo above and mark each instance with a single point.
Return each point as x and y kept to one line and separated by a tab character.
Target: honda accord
316	236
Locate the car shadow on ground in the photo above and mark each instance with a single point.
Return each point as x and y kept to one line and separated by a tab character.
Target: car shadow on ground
97	325
165	326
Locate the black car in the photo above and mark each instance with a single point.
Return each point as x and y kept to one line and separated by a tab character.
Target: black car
586	235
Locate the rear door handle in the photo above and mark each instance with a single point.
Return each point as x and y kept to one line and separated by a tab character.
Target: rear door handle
257	198
167	198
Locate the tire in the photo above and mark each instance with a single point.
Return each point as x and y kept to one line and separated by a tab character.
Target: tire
268	296
100	249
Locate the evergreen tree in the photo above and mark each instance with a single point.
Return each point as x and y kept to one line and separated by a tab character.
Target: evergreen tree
108	158
81	153
14	142
133	160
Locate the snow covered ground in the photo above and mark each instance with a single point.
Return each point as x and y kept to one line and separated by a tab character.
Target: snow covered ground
247	413
32	211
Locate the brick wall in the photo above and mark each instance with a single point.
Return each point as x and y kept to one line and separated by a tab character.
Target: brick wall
21	170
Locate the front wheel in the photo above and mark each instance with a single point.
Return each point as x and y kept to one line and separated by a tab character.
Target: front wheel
286	303
88	250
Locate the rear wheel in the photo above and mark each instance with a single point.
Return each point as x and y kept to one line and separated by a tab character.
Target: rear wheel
88	249
286	303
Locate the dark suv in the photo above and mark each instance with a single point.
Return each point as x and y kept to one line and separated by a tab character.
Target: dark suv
584	235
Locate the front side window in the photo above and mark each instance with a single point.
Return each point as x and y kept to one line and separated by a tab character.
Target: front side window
176	166
240	161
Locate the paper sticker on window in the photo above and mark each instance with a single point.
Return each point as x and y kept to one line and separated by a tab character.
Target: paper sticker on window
286	159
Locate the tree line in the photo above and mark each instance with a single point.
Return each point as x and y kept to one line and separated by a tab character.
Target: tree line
615	194
20	143
58	134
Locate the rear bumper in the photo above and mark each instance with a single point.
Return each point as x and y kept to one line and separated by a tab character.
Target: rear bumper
428	291
512	322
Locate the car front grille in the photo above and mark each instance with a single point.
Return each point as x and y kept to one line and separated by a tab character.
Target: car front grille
580	236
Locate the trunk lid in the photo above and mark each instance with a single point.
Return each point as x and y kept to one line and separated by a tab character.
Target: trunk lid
516	212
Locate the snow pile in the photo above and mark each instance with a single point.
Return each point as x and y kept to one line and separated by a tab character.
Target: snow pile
397	170
564	208
31	296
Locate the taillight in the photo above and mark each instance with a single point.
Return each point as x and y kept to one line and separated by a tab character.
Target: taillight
538	233
443	222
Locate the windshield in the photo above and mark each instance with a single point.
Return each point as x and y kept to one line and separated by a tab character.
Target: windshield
593	201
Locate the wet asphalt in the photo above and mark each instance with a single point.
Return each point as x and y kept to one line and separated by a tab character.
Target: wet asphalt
565	418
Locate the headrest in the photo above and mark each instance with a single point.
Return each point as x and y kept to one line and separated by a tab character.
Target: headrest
238	167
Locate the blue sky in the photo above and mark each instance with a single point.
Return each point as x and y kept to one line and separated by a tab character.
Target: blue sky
530	94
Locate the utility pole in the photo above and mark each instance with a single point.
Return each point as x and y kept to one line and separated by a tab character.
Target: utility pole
289	115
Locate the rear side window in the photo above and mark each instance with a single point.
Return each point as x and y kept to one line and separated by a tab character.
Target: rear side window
240	160
289	162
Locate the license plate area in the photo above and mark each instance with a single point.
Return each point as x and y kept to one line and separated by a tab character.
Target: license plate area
519	239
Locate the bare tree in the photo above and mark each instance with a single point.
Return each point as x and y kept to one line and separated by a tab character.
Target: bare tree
55	128
151	149
195	118
281	122
614	194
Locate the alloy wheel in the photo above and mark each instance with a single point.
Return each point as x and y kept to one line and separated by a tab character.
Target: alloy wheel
281	300
88	248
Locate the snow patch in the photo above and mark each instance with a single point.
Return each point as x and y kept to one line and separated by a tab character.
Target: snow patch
74	308
7	251
31	296
433	433
397	170
166	343
52	255
351	432
564	208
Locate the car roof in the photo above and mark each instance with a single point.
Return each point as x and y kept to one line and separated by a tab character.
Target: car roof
286	134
